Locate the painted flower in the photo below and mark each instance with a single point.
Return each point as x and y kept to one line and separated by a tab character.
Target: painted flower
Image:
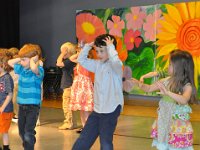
132	39
150	26
181	29
115	27
88	27
122	51
135	19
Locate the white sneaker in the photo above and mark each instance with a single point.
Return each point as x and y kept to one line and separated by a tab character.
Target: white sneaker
15	120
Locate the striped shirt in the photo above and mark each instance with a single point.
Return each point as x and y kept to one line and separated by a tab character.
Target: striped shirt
29	85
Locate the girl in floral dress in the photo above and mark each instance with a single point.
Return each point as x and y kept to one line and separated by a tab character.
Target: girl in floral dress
82	93
172	129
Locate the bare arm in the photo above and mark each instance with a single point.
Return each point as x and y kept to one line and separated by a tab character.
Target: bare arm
181	99
34	64
59	62
7	100
74	58
14	61
148	75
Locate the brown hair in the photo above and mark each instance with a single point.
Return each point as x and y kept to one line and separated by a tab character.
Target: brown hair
4	63
183	72
29	50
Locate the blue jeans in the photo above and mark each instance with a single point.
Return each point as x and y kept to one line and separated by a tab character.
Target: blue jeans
27	118
98	124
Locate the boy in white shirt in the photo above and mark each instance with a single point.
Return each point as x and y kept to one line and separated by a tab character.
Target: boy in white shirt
108	95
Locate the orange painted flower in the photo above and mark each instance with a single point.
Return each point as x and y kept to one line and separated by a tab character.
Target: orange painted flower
122	51
180	29
88	27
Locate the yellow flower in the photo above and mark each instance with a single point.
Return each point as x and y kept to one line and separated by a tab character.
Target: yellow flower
180	29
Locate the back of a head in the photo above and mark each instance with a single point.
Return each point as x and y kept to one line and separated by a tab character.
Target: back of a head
29	50
4	63
183	70
71	48
99	40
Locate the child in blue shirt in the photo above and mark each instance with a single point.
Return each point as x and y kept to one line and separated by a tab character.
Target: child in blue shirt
29	92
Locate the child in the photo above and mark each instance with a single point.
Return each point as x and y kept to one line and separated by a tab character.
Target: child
67	50
172	130
13	52
6	105
29	92
82	93
108	95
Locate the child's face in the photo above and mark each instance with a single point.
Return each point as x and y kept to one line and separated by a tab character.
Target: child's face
102	53
25	62
170	69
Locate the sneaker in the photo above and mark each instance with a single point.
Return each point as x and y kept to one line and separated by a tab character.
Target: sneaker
38	123
15	120
64	127
79	131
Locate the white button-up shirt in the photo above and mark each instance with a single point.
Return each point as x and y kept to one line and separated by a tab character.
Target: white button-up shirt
108	92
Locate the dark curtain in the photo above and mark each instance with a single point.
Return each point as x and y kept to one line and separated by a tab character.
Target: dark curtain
9	23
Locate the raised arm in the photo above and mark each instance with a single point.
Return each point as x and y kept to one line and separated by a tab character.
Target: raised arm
84	61
59	62
148	75
14	61
113	56
34	64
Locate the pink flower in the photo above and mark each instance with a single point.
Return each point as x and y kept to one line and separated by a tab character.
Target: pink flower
115	26
132	38
151	27
135	19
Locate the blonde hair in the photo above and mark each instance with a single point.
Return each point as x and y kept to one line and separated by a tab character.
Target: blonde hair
29	50
71	48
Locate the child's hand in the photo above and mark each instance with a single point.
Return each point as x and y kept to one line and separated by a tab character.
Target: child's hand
142	79
162	88
91	44
35	58
108	40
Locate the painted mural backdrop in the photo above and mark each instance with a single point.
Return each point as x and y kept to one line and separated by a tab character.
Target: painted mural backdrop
146	34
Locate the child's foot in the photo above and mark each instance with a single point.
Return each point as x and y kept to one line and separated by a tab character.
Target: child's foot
38	123
66	127
79	131
15	120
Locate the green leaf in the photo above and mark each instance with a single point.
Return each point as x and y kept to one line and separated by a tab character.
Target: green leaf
142	63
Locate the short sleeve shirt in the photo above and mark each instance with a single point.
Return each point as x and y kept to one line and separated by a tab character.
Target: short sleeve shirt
6	87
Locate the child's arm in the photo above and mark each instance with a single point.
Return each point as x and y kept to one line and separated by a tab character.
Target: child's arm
59	62
83	59
181	99
6	102
113	55
14	61
74	58
148	75
34	64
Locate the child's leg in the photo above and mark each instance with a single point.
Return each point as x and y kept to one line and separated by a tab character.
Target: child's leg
5	141
89	133
84	116
68	124
107	125
30	115
5	138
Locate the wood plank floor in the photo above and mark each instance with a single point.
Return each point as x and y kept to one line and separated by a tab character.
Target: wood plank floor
131	110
